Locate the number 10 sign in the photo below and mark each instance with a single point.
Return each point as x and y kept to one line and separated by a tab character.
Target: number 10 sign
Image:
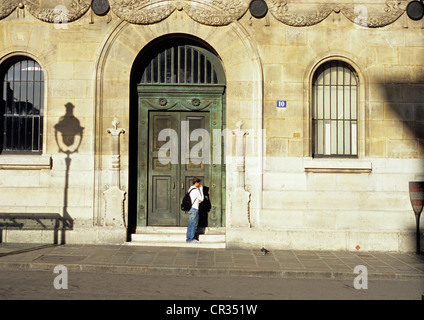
281	103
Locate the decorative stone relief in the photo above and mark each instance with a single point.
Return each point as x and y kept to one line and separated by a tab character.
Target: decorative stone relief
114	196
54	11
297	13
240	153
216	12
189	104
143	11
239	198
376	13
7	7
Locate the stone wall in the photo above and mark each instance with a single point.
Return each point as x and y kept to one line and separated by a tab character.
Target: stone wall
295	201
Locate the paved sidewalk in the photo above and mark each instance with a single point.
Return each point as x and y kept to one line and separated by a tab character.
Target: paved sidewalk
211	262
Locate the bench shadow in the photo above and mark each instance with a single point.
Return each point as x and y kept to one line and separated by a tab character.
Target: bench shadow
25	250
36	221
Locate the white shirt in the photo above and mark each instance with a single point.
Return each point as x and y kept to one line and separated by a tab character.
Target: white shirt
195	196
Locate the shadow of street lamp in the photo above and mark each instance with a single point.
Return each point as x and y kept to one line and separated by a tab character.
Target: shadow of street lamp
68	135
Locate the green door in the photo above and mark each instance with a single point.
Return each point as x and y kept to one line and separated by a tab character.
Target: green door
180	136
174	159
181	107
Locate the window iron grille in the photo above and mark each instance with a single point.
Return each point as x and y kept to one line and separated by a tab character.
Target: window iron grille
335	110
180	64
22	106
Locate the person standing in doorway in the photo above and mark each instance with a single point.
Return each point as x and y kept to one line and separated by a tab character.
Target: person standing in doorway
196	196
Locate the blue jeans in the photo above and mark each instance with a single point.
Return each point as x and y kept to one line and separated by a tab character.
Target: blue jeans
193	219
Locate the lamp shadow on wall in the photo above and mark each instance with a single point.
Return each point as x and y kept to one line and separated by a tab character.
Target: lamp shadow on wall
68	136
402	115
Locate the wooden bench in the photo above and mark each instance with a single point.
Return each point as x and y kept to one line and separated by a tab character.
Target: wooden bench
36	221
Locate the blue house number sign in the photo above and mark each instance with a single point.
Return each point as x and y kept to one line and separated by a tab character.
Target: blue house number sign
281	103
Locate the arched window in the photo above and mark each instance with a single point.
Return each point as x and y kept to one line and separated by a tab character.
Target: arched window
335	110
21	109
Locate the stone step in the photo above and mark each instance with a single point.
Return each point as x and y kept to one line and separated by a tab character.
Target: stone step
202	230
179	244
161	230
212	238
158	237
175	237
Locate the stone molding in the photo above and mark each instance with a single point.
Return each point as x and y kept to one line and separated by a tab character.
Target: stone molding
25	162
336	166
296	13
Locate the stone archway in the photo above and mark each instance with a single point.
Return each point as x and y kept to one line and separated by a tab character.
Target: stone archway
178	85
244	98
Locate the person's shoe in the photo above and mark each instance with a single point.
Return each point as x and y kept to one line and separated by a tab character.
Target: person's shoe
195	241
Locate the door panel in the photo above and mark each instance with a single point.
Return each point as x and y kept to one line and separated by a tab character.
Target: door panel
195	158
161	190
174	136
162	173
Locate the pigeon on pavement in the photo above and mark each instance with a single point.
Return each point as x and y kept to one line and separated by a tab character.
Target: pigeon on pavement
264	251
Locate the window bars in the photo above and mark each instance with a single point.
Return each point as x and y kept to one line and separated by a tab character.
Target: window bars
180	65
335	111
22	107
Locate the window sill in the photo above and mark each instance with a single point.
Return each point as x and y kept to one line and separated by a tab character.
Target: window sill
337	165
25	162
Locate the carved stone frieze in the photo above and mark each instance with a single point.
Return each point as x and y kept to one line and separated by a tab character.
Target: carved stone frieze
210	12
57	11
376	13
300	13
297	13
143	11
216	12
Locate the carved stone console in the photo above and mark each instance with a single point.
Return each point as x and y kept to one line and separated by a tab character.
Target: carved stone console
114	196
239	198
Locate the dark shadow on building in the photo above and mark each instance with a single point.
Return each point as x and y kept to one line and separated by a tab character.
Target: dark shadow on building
68	135
204	208
401	117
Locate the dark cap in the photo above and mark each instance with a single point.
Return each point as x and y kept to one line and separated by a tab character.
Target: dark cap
196	179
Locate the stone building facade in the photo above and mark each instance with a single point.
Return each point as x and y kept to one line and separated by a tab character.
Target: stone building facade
314	111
